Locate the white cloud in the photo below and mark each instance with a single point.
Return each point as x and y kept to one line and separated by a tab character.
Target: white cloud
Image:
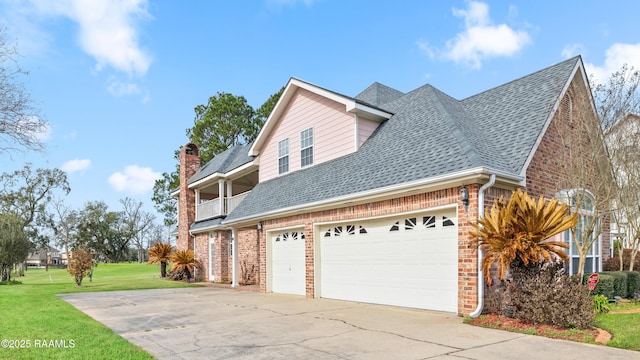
571	50
616	56
134	179
75	165
118	89
45	132
106	30
481	39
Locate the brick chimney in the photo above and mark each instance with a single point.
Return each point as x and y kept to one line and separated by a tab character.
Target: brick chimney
189	165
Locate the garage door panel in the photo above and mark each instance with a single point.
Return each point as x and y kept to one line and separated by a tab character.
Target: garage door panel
410	261
288	263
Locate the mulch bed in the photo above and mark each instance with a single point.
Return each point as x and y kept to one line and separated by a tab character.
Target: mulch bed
496	321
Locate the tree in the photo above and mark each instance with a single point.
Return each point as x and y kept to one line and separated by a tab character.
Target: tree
516	232
65	225
28	194
164	202
80	264
14	244
585	180
618	105
160	253
226	120
137	223
20	126
103	231
184	261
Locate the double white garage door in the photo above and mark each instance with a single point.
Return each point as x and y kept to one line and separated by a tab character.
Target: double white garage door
409	261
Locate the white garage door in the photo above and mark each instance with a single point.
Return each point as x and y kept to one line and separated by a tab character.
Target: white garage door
288	262
409	261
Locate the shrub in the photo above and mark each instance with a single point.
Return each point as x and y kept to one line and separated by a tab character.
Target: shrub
80	264
633	283
543	294
613	264
177	275
620	287
600	304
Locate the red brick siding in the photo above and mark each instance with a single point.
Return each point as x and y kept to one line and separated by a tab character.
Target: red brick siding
467	254
189	165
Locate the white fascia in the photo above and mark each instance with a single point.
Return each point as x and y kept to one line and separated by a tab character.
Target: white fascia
452	179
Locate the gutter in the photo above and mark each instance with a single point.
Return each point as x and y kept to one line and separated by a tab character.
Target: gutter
481	192
373	194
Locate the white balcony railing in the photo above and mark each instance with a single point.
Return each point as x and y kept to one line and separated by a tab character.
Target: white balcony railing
233	201
208	209
211	208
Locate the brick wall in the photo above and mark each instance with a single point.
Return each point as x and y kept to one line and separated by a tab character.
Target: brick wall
189	165
467	253
202	255
248	259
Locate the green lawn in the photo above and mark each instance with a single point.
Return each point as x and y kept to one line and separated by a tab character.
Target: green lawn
35	317
623	327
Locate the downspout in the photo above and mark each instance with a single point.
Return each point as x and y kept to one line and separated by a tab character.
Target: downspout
194	255
481	192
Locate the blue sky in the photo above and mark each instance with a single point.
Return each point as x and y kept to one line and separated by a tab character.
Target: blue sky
118	80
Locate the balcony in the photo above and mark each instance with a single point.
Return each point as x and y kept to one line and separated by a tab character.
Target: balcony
211	208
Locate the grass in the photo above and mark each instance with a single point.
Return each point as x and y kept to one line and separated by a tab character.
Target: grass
32	314
623	325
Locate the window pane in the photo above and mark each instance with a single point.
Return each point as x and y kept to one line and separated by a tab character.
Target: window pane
588	265
306	157
283	165
574	264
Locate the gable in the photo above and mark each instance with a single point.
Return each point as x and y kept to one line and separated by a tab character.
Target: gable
333	132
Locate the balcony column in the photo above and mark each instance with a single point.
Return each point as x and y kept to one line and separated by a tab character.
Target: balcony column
221	196
234	258
197	201
229	195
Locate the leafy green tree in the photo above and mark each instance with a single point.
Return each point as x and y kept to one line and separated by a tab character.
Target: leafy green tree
103	231
29	193
225	120
14	243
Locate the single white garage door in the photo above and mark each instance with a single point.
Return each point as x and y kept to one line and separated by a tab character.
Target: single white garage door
409	261
288	263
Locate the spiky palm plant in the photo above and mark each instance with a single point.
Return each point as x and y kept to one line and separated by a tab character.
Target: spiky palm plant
184	261
160	253
518	231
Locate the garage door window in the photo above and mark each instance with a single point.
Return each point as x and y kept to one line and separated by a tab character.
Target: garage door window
345	230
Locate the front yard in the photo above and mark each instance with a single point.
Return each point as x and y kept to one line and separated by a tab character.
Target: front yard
621	323
36	324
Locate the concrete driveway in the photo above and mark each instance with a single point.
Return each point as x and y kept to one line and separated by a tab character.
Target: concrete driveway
218	323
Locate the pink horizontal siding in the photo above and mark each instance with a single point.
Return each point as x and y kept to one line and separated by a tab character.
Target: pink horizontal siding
366	127
333	132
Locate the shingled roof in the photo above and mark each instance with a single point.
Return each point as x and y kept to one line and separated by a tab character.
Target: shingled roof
430	134
224	162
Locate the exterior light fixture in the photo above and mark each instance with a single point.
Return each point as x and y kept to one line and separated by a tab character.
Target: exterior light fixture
464	196
260	226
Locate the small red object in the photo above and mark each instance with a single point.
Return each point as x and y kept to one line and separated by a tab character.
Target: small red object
593	280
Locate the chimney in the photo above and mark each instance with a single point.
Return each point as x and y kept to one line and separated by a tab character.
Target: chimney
189	165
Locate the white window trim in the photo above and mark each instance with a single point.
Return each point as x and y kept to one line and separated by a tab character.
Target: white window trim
303	148
595	258
281	156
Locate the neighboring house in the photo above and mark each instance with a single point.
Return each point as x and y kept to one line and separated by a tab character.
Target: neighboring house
41	257
370	198
623	139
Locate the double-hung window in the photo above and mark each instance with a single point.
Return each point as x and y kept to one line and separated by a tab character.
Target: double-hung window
306	147
586	231
283	156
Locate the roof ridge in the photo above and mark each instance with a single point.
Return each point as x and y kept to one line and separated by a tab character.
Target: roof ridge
454	123
573	59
